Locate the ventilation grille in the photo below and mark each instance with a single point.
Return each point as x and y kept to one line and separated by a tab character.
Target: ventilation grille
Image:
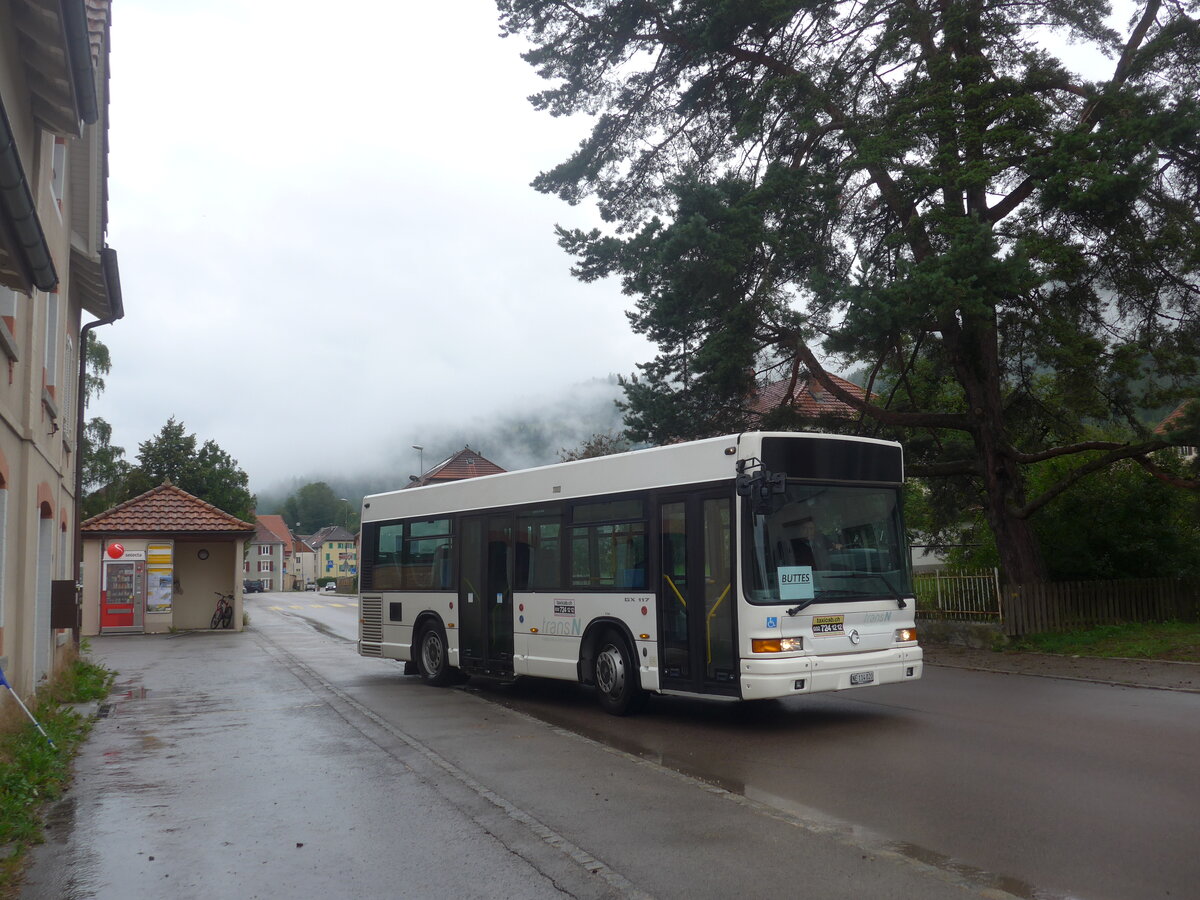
371	610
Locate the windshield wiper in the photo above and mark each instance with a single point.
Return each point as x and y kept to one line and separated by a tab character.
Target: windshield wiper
800	606
895	594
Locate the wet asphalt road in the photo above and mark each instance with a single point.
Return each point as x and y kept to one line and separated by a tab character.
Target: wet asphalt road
223	753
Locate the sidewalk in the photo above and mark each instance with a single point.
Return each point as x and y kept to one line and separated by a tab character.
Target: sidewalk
1148	673
213	772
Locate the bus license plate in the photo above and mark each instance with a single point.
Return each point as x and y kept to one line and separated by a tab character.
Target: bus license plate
862	677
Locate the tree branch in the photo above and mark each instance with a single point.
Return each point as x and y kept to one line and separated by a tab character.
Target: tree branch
886	416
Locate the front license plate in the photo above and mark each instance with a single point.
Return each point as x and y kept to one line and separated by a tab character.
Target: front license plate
862	677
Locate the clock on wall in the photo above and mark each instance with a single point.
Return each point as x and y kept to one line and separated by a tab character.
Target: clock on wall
202	554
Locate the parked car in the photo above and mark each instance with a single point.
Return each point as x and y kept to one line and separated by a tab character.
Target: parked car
310	586
252	587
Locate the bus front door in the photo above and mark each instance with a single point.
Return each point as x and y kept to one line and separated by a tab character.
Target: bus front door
696	633
485	594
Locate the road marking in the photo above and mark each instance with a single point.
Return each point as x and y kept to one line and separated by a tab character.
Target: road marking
297	606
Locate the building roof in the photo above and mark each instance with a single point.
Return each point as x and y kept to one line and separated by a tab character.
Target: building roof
809	398
276	527
165	508
330	533
466	463
1174	419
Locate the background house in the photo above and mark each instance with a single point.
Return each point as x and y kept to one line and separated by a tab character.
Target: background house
268	554
806	398
466	463
336	552
54	268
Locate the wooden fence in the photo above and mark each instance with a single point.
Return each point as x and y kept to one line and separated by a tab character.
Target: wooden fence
1069	605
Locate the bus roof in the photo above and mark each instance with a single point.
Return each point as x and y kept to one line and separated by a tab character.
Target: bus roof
693	462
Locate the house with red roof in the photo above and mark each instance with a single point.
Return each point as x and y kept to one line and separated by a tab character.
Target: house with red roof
269	560
806	396
466	463
1173	422
157	562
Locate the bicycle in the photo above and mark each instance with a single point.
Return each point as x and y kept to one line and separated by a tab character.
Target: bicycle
223	617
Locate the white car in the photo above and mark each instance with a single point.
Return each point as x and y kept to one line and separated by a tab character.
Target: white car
330	587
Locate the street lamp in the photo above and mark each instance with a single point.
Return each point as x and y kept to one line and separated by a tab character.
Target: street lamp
420	458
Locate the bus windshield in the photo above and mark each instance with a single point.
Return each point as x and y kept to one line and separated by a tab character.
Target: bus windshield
827	543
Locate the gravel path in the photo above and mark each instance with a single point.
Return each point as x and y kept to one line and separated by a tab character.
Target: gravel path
1151	673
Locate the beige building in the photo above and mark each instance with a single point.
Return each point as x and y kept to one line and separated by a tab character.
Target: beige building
55	272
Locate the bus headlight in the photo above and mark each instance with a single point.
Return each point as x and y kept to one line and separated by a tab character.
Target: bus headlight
776	645
905	635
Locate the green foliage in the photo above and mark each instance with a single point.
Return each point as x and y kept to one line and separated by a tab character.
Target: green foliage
206	471
926	192
1178	641
104	467
32	772
99	364
315	505
599	444
1123	523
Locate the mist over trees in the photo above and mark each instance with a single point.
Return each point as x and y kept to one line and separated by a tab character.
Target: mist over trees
534	434
928	191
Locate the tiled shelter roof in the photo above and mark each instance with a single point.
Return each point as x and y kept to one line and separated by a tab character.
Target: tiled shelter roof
466	463
165	509
809	399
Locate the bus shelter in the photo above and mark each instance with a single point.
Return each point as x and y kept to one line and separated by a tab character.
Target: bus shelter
157	563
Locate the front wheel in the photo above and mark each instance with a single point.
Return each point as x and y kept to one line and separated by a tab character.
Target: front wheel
615	677
434	657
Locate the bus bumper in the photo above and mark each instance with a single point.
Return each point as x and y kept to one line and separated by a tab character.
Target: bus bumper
763	679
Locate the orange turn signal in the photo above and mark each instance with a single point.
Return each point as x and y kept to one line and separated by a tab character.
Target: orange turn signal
765	645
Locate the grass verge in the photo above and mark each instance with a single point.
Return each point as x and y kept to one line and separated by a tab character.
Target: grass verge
1178	641
32	772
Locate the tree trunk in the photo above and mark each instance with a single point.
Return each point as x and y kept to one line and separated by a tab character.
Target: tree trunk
975	353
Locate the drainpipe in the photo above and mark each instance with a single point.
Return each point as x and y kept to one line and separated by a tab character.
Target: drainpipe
112	284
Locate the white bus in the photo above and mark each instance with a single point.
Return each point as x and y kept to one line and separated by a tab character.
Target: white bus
752	566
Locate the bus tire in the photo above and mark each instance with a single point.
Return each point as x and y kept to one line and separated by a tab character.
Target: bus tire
433	656
615	675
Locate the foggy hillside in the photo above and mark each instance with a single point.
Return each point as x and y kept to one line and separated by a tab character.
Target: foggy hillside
525	435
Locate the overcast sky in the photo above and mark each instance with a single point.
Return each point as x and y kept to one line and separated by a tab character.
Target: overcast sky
327	239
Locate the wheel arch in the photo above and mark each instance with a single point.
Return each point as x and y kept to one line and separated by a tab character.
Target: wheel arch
590	643
425	619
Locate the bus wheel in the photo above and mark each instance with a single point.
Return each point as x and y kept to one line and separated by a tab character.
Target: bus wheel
615	676
435	665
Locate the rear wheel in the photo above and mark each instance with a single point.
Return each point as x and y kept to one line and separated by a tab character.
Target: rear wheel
434	657
615	676
216	620
227	617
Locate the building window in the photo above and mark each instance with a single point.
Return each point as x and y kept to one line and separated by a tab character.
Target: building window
58	171
8	321
264	549
268	584
50	372
266	565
